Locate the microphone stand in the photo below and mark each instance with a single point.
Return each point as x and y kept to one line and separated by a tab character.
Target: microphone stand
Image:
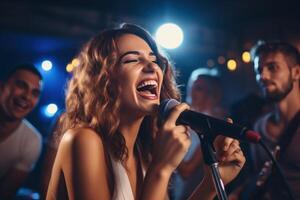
211	160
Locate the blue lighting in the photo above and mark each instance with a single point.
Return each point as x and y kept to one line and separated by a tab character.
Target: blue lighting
47	65
51	109
169	36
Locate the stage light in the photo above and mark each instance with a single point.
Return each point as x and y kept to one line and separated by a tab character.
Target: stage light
246	57
169	36
231	65
51	109
47	65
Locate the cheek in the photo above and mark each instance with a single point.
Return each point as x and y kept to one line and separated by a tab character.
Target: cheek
198	94
8	94
16	91
35	101
127	83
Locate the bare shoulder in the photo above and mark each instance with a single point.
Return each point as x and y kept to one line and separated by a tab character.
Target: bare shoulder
82	159
81	136
81	141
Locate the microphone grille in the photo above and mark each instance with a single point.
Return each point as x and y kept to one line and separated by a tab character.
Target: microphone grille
165	107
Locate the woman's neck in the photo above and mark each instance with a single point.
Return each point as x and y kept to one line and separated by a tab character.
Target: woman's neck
130	129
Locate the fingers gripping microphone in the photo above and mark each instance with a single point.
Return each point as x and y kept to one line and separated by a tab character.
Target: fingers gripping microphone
206	124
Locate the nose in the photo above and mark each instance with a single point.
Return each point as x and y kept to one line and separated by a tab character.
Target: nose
27	94
263	75
149	66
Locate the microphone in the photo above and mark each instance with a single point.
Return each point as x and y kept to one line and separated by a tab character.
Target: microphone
206	124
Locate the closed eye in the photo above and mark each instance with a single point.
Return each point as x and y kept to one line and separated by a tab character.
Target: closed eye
21	84
130	61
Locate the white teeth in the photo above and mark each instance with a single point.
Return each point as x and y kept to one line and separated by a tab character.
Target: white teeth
145	83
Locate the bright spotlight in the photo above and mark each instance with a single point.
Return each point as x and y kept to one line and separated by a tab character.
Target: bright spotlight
169	36
51	109
47	65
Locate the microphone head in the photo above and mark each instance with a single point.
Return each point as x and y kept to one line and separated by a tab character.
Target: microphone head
165	107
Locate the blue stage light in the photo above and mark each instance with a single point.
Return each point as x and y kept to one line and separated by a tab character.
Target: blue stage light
47	65
51	109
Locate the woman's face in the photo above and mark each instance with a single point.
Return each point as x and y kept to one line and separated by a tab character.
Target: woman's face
140	76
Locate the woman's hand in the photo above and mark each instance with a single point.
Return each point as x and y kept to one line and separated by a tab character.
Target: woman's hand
172	142
231	160
230	156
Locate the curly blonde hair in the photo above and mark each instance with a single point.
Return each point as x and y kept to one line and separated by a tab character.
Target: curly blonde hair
93	100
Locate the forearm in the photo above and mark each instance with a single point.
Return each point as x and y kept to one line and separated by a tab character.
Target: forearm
155	184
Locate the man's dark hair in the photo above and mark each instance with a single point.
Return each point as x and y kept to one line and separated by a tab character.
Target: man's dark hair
26	66
289	51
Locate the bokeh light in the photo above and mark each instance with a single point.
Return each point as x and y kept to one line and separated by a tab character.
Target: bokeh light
231	65
169	36
46	65
51	109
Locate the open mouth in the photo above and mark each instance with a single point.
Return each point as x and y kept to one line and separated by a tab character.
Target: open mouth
148	88
21	104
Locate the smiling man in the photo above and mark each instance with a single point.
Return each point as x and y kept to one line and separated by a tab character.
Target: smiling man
20	142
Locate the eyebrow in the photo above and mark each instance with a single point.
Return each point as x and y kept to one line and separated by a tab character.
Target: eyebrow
135	53
24	82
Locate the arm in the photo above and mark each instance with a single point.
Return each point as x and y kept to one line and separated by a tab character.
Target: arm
186	168
171	144
84	165
11	182
231	161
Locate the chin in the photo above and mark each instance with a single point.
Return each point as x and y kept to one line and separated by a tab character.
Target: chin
152	108
18	116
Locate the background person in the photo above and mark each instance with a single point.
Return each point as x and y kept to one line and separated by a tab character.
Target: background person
20	142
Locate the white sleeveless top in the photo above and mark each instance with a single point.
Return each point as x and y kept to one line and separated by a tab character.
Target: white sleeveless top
122	189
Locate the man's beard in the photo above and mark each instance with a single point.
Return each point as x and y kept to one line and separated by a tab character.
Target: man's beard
278	95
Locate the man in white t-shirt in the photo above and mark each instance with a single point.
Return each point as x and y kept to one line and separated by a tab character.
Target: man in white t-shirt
20	142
